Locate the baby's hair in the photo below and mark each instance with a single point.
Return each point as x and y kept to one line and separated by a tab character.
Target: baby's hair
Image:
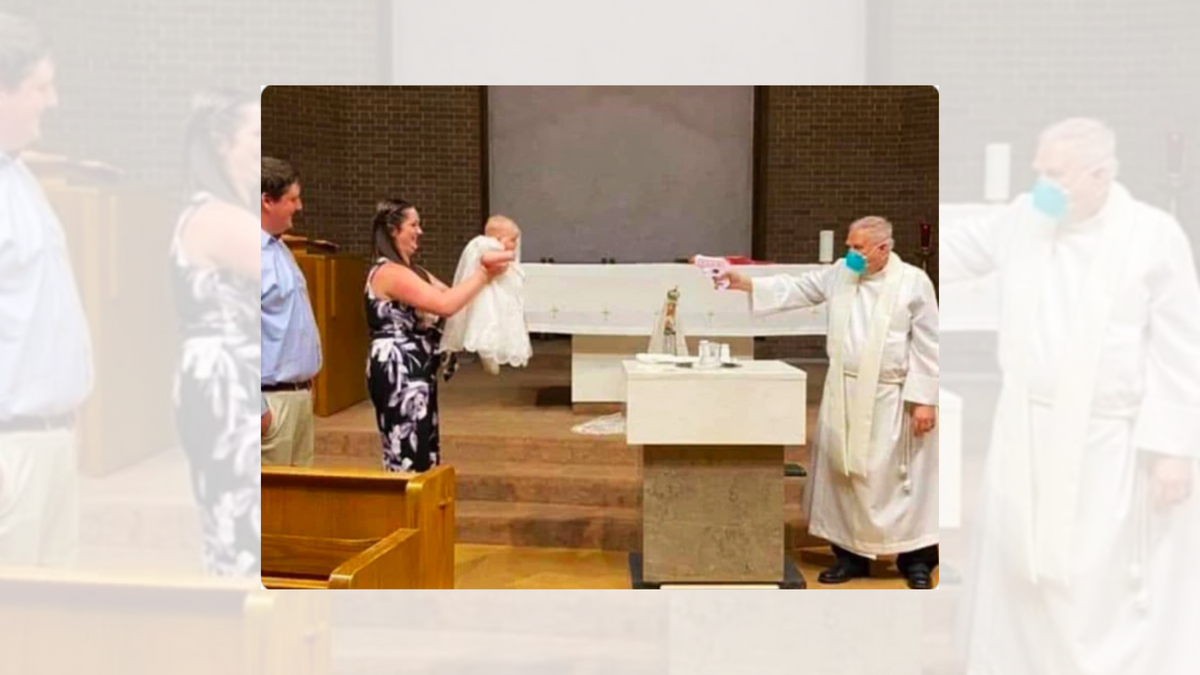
495	223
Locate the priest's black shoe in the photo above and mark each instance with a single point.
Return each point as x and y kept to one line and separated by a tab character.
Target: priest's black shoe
919	577
843	572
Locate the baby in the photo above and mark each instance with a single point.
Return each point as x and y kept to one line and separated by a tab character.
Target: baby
493	325
503	230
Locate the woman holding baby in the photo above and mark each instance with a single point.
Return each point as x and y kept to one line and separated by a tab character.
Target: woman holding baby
406	307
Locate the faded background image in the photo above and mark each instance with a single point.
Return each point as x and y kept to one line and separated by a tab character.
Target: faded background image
141	596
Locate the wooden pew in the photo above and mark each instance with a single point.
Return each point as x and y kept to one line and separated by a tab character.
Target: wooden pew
357	528
315	562
335	287
63	621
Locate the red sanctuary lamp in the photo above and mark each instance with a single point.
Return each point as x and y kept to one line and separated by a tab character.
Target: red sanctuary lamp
926	244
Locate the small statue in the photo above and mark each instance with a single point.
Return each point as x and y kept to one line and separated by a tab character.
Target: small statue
667	337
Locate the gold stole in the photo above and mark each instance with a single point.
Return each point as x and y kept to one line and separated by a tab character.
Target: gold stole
853	431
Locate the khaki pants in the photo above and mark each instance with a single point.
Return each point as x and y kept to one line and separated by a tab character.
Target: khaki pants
289	441
39	499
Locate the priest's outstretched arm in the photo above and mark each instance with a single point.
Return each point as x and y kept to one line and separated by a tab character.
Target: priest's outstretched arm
783	291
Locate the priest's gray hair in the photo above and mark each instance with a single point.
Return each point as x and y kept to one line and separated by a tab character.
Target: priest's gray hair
1090	142
878	228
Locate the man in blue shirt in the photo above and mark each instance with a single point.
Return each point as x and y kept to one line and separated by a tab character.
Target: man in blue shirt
45	349
291	347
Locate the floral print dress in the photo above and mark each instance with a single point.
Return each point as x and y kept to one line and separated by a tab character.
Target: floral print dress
402	379
217	407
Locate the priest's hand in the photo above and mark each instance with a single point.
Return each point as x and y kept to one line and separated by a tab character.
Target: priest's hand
737	281
924	419
1170	480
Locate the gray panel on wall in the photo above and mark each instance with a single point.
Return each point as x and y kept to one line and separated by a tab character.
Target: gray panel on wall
639	174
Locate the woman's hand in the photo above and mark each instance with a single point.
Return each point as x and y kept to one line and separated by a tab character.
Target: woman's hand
266	423
737	281
496	263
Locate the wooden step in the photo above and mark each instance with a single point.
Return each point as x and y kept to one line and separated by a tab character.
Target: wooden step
550	525
576	451
547	483
599	485
460	449
569	526
354	444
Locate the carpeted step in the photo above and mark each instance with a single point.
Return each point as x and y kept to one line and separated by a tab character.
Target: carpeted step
557	483
549	525
569	526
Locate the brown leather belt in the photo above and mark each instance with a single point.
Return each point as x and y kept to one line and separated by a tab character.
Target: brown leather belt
288	386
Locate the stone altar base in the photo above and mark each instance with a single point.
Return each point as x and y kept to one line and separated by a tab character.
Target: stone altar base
713	514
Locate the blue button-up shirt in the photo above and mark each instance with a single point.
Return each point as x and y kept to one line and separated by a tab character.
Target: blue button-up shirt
45	349
291	347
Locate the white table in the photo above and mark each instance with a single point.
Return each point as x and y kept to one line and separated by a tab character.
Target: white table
611	310
712	470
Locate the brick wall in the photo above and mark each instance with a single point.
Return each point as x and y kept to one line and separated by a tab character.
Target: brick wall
305	126
357	145
834	154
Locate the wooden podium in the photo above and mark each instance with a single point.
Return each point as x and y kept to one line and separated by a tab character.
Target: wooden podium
119	238
335	286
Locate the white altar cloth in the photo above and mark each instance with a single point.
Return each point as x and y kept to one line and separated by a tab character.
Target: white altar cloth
611	310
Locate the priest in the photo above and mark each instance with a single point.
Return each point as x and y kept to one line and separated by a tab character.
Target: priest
1088	538
874	483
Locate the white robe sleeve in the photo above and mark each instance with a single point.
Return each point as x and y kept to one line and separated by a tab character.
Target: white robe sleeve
1169	419
921	382
784	291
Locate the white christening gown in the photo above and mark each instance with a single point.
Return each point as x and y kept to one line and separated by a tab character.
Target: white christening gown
493	324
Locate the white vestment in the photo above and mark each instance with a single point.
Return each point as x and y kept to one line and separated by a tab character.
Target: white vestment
874	484
1075	572
493	324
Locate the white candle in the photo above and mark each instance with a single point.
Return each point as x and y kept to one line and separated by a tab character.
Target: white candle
998	158
826	246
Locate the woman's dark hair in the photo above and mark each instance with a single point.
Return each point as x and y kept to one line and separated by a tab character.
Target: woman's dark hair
215	117
22	45
389	215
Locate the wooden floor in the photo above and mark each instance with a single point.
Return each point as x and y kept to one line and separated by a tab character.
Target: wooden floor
480	566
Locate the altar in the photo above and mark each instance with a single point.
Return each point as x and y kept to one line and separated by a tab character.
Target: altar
610	311
712	470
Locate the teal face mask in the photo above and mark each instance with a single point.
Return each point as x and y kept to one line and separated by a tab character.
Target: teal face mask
856	261
1050	199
